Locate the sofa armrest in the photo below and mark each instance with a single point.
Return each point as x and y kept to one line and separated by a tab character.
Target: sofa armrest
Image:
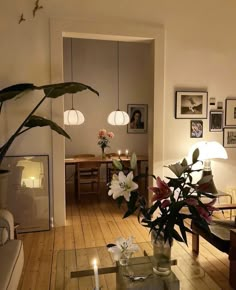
7	220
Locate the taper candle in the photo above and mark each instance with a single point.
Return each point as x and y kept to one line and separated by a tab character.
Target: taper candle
95	268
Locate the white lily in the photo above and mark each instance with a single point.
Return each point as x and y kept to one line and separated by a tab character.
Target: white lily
123	246
122	185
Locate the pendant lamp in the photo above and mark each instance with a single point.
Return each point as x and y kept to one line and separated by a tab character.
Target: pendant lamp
72	116
118	118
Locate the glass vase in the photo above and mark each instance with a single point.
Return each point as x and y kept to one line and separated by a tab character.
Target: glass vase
103	153
124	258
161	255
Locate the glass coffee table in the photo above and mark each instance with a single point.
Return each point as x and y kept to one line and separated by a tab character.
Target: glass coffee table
75	271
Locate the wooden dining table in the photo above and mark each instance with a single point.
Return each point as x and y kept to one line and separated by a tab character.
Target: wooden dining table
108	160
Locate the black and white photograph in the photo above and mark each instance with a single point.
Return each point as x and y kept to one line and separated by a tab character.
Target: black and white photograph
229	137
230	112
191	105
138	114
196	129
216	121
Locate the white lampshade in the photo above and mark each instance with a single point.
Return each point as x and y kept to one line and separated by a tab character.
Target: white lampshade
73	117
118	118
209	150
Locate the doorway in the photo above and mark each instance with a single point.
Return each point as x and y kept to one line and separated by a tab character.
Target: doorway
60	29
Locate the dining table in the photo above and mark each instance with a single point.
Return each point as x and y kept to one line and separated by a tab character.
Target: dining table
75	161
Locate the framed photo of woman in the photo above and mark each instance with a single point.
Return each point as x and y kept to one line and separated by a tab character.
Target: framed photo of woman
138	114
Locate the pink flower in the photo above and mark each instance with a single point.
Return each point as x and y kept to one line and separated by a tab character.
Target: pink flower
206	213
110	134
162	190
165	203
192	201
102	132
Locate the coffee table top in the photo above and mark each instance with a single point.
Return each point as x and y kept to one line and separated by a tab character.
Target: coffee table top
80	261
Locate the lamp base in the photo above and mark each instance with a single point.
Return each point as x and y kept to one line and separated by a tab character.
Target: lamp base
211	188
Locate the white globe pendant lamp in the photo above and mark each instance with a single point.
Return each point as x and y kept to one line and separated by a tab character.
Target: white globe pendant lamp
72	116
118	118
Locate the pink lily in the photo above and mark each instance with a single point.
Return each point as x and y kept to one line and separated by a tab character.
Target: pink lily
206	213
162	190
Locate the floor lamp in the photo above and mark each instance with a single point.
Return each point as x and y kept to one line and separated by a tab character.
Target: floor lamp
207	151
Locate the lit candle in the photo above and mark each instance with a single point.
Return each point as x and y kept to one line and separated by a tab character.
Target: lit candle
95	268
119	152
127	153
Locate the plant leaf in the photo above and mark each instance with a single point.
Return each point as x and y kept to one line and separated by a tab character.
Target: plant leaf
37	121
57	90
133	161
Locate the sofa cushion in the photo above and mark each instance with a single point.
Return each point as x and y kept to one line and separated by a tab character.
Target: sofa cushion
12	260
3	236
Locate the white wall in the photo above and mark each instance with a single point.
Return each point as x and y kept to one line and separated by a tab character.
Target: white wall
200	53
95	63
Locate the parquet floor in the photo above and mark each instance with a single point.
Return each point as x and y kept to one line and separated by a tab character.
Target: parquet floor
92	222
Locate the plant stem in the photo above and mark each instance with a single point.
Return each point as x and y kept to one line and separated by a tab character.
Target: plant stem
7	145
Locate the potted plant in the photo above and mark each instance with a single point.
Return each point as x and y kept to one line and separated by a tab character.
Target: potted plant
31	121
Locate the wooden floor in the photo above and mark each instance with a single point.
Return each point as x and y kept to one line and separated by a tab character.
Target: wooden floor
93	223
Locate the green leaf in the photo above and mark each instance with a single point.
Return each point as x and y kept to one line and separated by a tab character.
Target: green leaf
177	168
57	90
12	91
195	155
37	121
133	161
117	164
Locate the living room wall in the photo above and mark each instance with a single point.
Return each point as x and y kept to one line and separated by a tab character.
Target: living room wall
200	54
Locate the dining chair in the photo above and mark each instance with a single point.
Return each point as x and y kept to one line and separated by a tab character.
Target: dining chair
110	167
88	173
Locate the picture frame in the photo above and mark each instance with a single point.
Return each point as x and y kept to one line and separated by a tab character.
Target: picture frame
229	137
138	114
230	112
191	105
28	195
216	121
196	129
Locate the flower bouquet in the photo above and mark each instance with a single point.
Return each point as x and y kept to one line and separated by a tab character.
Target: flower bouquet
173	202
123	249
104	139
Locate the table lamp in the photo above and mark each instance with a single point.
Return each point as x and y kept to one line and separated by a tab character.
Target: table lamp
208	151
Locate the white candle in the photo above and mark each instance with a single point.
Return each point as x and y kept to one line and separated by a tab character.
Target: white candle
95	268
119	152
127	152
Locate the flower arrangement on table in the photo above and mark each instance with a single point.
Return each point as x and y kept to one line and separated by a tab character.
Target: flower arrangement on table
104	139
174	200
123	249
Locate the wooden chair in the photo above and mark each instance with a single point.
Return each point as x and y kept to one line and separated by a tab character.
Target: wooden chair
110	168
88	173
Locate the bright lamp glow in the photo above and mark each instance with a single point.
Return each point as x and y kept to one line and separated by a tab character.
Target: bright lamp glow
73	117
118	118
209	150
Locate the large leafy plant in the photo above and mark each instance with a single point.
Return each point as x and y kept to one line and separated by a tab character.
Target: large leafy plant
175	200
50	91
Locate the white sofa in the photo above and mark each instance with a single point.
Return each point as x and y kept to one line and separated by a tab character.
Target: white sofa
11	253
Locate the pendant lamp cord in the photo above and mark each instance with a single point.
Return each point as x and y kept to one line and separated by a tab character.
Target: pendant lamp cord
71	67
118	80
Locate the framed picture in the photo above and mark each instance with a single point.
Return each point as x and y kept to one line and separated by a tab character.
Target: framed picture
138	114
216	121
28	191
191	105
230	112
229	139
196	129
